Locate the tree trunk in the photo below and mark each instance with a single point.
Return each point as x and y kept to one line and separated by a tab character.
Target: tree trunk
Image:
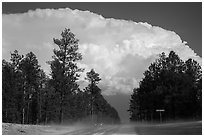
46	118
63	89
92	111
23	121
61	115
27	120
23	103
61	110
39	103
6	116
151	116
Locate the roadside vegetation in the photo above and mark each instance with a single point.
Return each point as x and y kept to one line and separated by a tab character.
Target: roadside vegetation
170	90
29	96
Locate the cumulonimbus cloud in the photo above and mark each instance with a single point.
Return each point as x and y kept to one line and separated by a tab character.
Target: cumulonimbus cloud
119	50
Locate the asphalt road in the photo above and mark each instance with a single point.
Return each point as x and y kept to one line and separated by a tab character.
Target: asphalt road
176	128
105	130
181	128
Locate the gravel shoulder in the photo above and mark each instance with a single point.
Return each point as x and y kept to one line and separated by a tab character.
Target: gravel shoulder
19	129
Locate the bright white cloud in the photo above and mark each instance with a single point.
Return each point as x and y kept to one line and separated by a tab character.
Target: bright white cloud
118	50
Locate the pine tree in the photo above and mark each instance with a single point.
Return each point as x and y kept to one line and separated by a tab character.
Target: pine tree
42	80
64	69
30	72
92	89
99	107
8	89
12	89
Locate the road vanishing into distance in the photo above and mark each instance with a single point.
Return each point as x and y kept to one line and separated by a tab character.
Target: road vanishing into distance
104	130
173	128
184	128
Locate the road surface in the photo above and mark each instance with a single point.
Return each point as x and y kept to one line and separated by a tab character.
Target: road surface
105	130
182	128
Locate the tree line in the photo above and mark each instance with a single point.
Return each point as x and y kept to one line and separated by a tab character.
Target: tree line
29	96
171	85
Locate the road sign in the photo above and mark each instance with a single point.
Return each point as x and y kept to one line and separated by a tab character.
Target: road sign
160	110
160	113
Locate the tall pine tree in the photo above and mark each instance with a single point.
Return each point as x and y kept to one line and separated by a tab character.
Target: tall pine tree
30	72
100	110
64	69
92	89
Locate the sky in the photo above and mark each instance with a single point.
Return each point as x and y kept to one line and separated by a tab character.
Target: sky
118	40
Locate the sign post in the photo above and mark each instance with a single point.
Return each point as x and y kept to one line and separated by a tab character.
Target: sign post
160	113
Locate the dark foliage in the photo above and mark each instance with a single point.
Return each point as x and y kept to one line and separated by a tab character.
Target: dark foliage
29	96
64	71
169	84
98	107
20	88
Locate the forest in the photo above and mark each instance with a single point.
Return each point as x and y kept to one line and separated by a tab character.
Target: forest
171	87
30	96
